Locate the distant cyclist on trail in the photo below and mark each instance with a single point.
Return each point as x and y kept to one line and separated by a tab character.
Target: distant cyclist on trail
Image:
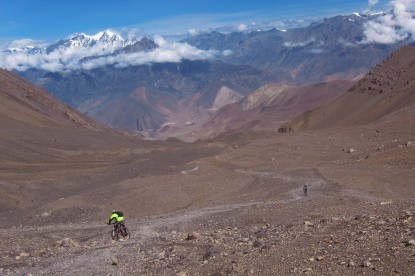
305	189
118	218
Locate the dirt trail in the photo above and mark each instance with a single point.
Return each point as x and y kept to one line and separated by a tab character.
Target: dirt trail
96	249
149	228
99	250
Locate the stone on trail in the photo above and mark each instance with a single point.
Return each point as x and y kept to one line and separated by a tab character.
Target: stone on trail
307	223
211	252
192	236
351	263
407	243
161	256
410	144
257	244
308	269
114	260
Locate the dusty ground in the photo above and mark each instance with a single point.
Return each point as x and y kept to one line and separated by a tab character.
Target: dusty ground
232	206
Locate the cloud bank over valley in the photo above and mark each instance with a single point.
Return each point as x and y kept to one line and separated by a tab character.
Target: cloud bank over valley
392	27
22	55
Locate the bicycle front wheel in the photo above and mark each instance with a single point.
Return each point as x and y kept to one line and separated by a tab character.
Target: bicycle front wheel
114	234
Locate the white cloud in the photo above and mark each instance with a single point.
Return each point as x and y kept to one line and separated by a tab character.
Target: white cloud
392	27
299	44
21	43
131	33
192	32
87	58
373	2
278	25
242	28
346	43
159	40
227	53
316	51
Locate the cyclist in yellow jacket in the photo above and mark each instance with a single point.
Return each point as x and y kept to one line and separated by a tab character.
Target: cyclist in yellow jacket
118	218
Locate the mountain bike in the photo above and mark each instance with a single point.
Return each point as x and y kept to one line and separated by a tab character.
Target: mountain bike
119	231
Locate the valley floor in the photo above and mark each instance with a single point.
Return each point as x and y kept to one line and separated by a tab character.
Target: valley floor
240	211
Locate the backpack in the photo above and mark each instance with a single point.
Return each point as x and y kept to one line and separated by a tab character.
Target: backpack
120	214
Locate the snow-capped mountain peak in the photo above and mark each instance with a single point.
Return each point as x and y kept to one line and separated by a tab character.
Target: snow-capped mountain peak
106	39
24	49
104	42
107	36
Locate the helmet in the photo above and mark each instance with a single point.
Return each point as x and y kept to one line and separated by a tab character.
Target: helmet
113	211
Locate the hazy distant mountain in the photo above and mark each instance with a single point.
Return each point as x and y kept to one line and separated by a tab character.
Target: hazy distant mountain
143	98
31	50
326	50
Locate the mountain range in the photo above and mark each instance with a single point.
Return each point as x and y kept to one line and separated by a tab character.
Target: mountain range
104	39
161	99
295	55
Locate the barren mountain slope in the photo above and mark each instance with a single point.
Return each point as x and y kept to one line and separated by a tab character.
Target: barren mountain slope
23	102
388	88
269	107
49	152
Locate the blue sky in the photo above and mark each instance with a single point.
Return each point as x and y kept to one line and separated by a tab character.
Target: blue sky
53	19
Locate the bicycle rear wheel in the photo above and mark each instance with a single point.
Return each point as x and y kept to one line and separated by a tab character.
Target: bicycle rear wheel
125	233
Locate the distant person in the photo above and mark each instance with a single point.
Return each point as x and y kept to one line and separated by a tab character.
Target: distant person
305	189
118	218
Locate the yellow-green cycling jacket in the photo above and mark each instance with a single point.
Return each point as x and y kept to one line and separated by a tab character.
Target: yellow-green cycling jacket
117	217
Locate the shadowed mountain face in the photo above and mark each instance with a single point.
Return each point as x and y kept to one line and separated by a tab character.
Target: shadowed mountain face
386	93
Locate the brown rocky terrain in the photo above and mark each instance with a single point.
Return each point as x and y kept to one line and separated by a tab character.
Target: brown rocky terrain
233	205
268	108
386	91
